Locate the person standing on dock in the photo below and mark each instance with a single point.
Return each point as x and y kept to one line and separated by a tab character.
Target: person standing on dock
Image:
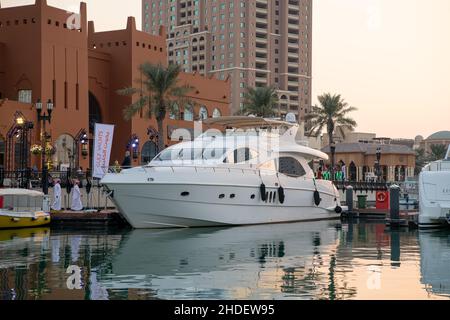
57	196
126	163
77	205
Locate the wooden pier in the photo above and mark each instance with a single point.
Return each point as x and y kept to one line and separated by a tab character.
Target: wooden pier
87	219
410	218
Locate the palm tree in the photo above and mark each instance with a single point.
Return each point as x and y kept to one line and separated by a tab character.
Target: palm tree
438	152
331	114
260	101
159	93
421	160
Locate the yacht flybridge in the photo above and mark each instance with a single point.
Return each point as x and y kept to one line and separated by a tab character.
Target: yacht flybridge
434	194
255	173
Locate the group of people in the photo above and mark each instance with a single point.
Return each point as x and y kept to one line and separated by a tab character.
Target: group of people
76	203
324	173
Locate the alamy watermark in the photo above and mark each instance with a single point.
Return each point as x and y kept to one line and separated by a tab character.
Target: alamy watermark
74	281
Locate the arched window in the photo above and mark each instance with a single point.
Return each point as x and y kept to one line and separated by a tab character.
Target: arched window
203	113
175	112
149	152
65	151
216	113
188	113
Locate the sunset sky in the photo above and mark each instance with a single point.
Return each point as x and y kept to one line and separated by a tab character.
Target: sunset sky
389	58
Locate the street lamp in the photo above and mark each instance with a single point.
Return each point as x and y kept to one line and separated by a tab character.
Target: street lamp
22	129
133	144
378	163
42	117
333	152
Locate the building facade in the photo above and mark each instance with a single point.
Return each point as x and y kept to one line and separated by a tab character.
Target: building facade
438	138
397	161
255	42
50	54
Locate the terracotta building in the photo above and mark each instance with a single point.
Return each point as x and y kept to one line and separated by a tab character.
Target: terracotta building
256	42
49	54
397	161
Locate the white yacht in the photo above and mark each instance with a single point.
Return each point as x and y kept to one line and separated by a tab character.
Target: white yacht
434	194
256	173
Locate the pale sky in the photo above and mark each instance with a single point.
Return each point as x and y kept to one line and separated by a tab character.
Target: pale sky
389	58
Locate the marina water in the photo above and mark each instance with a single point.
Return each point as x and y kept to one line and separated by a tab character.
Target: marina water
317	260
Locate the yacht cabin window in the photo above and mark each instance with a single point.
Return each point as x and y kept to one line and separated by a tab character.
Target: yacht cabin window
291	167
191	154
241	155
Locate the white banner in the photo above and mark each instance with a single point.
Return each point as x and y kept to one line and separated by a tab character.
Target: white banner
102	149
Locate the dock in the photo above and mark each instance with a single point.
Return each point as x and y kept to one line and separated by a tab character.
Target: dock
410	218
87	219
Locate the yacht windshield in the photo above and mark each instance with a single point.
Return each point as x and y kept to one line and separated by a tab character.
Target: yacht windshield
191	154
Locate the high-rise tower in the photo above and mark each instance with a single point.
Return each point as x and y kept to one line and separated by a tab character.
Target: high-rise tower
256	42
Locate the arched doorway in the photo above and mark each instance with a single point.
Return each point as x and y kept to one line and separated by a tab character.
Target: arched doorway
95	116
149	152
352	171
2	152
64	156
95	113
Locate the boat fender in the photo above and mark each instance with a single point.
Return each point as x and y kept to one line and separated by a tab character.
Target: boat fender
15	219
317	199
262	189
281	195
338	210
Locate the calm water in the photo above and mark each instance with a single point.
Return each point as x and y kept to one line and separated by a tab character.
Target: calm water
320	260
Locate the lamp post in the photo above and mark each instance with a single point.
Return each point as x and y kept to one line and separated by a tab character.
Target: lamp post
43	117
133	144
333	152
378	164
23	127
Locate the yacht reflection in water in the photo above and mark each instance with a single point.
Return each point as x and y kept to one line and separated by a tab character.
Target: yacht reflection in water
435	261
253	262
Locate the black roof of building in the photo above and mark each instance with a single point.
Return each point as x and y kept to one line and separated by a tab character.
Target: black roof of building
370	148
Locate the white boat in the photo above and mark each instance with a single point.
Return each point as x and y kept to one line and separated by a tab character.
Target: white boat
434	194
22	208
256	174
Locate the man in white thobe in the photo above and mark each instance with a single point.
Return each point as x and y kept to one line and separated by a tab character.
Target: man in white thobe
77	205
57	196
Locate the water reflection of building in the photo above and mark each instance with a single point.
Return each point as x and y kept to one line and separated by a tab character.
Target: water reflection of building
36	265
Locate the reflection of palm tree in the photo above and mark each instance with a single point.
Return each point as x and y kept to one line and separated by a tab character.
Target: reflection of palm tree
331	284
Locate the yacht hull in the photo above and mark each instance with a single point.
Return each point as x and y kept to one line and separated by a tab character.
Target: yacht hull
434	193
192	205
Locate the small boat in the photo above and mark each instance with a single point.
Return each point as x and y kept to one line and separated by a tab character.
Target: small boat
21	208
434	194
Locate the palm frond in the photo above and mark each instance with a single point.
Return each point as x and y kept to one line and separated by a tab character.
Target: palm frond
130	111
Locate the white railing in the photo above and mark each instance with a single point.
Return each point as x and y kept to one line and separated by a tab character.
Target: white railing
214	169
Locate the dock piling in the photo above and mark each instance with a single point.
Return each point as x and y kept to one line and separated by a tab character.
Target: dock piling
394	220
349	198
394	191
